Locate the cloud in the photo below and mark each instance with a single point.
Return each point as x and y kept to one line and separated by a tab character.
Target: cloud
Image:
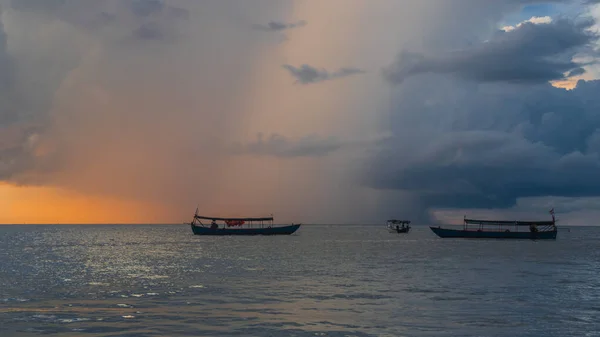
38	5
157	20
576	72
149	8
465	136
90	14
571	211
7	76
567	204
17	132
145	8
111	104
70	30
58	8
531	53
488	145
280	146
95	80
147	19
536	20
306	74
17	144
118	98
276	26
149	31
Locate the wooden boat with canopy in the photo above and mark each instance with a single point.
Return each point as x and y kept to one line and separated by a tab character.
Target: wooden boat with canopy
398	226
239	226
492	229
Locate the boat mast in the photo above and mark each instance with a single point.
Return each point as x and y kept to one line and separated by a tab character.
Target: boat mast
195	215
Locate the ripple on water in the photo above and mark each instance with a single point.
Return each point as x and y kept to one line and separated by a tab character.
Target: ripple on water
449	298
44	317
73	320
15	299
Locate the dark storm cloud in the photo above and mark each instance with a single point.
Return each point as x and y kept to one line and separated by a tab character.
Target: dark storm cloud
488	169
280	146
473	139
531	53
306	74
466	145
275	26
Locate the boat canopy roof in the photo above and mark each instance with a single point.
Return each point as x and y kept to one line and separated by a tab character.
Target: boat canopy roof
232	219
399	222
508	223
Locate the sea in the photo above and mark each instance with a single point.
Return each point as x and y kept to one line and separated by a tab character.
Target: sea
325	280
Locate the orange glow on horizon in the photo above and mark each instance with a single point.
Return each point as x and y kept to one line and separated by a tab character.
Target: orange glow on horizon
49	205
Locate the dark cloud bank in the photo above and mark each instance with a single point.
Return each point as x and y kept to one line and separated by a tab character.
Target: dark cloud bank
478	140
533	53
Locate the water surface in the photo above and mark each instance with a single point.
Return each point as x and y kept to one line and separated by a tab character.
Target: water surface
323	281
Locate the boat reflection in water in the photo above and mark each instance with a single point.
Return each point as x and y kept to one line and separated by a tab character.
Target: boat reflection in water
490	229
239	226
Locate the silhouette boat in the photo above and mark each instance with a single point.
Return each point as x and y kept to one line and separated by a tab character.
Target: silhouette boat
398	226
239	226
492	229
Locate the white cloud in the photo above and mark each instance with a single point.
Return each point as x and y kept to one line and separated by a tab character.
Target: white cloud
536	20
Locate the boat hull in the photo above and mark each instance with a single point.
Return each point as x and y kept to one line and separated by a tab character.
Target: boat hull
283	230
470	234
399	231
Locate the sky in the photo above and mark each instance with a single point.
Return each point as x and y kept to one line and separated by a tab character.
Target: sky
338	111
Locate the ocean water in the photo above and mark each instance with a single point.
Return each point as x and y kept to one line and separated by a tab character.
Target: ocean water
323	281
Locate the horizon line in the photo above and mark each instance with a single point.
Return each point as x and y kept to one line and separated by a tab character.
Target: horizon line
182	223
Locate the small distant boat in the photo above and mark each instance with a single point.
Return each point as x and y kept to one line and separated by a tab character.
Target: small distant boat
492	229
398	226
239	226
